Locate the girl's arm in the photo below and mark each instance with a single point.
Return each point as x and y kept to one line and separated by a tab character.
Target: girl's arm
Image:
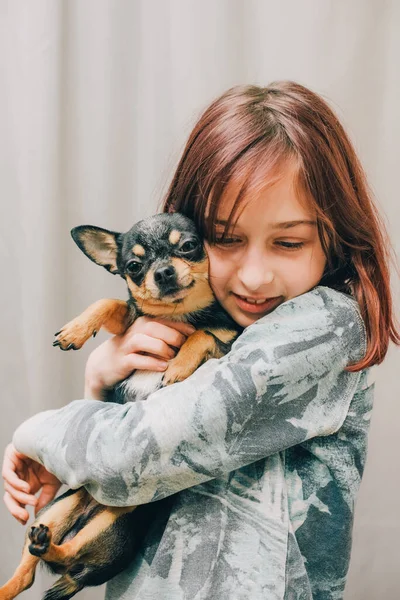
282	383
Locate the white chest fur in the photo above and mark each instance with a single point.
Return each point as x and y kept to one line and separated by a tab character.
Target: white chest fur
141	384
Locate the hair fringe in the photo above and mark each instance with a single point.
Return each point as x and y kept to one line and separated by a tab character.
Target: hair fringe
246	132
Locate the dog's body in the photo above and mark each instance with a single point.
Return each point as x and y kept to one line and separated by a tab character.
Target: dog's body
165	266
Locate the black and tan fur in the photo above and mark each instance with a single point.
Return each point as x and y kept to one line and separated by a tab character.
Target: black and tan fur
165	267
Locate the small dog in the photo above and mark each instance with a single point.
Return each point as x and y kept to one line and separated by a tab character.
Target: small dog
165	266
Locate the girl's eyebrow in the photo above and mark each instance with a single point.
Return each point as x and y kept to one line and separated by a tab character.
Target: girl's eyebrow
283	225
288	224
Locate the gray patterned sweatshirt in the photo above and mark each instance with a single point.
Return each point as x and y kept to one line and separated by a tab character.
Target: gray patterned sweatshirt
254	461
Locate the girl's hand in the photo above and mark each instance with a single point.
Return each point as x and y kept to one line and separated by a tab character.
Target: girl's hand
23	477
148	344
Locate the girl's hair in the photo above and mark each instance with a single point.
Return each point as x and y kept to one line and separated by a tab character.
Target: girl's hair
245	136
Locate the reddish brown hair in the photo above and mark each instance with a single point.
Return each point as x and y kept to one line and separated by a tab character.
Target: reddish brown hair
245	135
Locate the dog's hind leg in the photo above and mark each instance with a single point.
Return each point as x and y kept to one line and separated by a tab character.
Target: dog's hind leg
59	515
69	553
23	577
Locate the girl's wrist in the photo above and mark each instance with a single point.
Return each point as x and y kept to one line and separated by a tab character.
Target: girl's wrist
97	377
94	386
93	392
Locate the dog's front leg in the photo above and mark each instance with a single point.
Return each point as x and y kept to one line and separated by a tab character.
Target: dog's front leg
113	315
199	347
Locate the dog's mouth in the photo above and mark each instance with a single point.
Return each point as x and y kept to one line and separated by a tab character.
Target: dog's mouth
172	295
177	296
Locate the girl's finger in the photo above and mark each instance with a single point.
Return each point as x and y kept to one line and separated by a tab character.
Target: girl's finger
142	323
13	463
145	363
15	509
20	497
184	328
144	343
154	329
14	459
10	475
12	478
169	335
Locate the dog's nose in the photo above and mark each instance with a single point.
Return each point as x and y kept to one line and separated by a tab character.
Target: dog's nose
165	274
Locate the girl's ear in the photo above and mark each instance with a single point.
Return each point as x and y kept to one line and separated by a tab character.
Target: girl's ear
100	245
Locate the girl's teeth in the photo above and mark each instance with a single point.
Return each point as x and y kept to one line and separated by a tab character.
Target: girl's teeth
250	301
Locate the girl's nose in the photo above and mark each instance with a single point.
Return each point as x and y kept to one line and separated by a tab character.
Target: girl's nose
253	274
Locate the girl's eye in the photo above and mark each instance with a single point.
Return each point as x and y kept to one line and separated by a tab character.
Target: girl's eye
188	246
134	267
226	241
232	241
291	245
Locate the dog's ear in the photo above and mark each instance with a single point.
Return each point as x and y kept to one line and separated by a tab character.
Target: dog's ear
100	245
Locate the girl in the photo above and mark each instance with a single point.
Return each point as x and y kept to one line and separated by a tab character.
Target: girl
267	445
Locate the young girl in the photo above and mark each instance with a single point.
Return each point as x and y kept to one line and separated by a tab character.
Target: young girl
267	445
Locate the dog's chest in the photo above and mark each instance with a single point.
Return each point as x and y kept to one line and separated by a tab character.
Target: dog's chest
140	385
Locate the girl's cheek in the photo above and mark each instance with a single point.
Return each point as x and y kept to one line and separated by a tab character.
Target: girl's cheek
219	275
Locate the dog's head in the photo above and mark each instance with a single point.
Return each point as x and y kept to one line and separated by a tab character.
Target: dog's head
162	259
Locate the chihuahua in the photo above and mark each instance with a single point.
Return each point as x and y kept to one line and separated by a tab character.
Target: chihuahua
165	266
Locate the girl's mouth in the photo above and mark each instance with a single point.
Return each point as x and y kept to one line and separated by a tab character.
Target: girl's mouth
256	306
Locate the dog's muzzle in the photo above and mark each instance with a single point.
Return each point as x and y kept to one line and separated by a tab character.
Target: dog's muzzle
166	279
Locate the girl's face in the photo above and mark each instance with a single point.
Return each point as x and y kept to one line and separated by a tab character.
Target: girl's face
269	256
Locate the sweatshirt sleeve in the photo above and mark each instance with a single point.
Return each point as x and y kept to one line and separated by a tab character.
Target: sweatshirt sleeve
282	383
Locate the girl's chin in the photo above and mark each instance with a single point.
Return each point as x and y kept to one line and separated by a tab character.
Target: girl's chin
246	320
242	319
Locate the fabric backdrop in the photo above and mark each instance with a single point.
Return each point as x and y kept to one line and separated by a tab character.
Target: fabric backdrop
97	98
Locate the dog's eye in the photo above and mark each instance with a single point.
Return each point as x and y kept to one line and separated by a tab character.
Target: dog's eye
134	267
188	246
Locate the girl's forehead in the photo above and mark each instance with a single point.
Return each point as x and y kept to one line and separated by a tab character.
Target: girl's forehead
280	198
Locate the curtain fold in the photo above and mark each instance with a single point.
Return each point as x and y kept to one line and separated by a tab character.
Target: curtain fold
97	99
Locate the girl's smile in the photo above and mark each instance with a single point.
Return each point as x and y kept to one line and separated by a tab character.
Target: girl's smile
256	306
271	253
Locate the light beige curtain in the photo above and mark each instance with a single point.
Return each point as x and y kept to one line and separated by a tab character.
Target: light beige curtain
97	98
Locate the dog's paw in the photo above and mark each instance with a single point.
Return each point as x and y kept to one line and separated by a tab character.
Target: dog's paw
177	370
40	537
73	335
